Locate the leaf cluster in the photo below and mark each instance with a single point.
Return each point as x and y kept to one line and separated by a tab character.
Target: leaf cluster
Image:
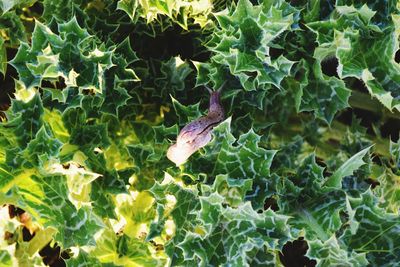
96	91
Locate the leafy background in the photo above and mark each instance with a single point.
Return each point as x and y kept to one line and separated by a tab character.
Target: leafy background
304	170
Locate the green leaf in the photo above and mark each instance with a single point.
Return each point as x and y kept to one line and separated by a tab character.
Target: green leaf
322	218
124	251
129	7
330	253
186	113
144	157
7	5
232	190
54	120
364	50
286	157
42	149
180	12
224	241
179	209
352	164
174	73
388	191
24	116
3	57
373	230
14	250
5	259
73	50
315	213
394	149
46	199
40	240
137	212
60	9
244	160
240	44
325	98
84	259
91	136
13	28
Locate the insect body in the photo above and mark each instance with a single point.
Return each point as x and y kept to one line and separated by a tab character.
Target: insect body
197	134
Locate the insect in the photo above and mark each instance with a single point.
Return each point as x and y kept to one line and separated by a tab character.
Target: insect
197	133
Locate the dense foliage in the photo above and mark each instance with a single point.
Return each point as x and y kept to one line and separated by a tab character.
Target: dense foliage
303	171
